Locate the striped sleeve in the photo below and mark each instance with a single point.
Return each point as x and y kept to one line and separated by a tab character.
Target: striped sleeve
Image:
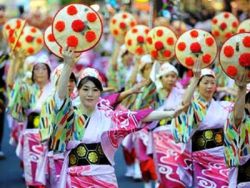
184	125
236	140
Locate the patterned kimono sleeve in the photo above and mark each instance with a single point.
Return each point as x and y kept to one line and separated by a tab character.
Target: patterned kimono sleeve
113	99
62	122
46	118
236	140
19	100
124	122
184	125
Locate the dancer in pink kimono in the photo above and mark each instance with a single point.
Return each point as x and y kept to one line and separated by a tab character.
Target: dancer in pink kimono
91	132
201	129
237	139
25	104
166	152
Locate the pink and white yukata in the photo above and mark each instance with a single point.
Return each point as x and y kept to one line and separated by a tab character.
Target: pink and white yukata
201	129
26	99
165	150
105	126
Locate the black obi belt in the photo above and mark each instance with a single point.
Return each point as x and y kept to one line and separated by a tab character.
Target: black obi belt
87	154
207	139
33	120
244	173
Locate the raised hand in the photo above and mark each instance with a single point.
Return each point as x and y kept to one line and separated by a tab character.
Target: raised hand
137	87
241	80
180	109
69	56
197	69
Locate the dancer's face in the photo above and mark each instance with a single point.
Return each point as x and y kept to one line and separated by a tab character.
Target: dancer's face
89	94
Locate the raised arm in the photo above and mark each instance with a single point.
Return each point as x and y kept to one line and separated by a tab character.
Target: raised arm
115	56
240	100
69	62
159	115
187	97
133	90
16	61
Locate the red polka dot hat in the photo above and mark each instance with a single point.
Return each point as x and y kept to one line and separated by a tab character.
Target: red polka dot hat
235	55
77	26
12	30
119	24
161	42
244	26
30	41
51	44
224	25
195	44
135	40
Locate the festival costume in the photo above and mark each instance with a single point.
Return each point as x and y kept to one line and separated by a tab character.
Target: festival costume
237	151
89	157
25	105
166	152
201	128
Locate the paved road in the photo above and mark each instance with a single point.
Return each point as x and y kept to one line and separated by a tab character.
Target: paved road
11	174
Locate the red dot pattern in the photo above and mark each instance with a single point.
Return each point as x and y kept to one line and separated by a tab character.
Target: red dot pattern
159	45
72	41
189	61
206	58
71	10
214	21
167	53
113	21
29	38
115	32
159	32
226	15
124	16
195	47
134	30
232	70
78	25
154	53
39	40
90	36
140	39
129	42
122	25
139	51
209	41
170	41
194	34
228	51
149	40
91	17
223	26
235	24
51	37
33	30
181	46
30	50
60	26
216	33
246	41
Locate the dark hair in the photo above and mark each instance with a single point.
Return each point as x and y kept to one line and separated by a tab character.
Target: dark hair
92	79
48	69
247	98
73	77
203	77
125	53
